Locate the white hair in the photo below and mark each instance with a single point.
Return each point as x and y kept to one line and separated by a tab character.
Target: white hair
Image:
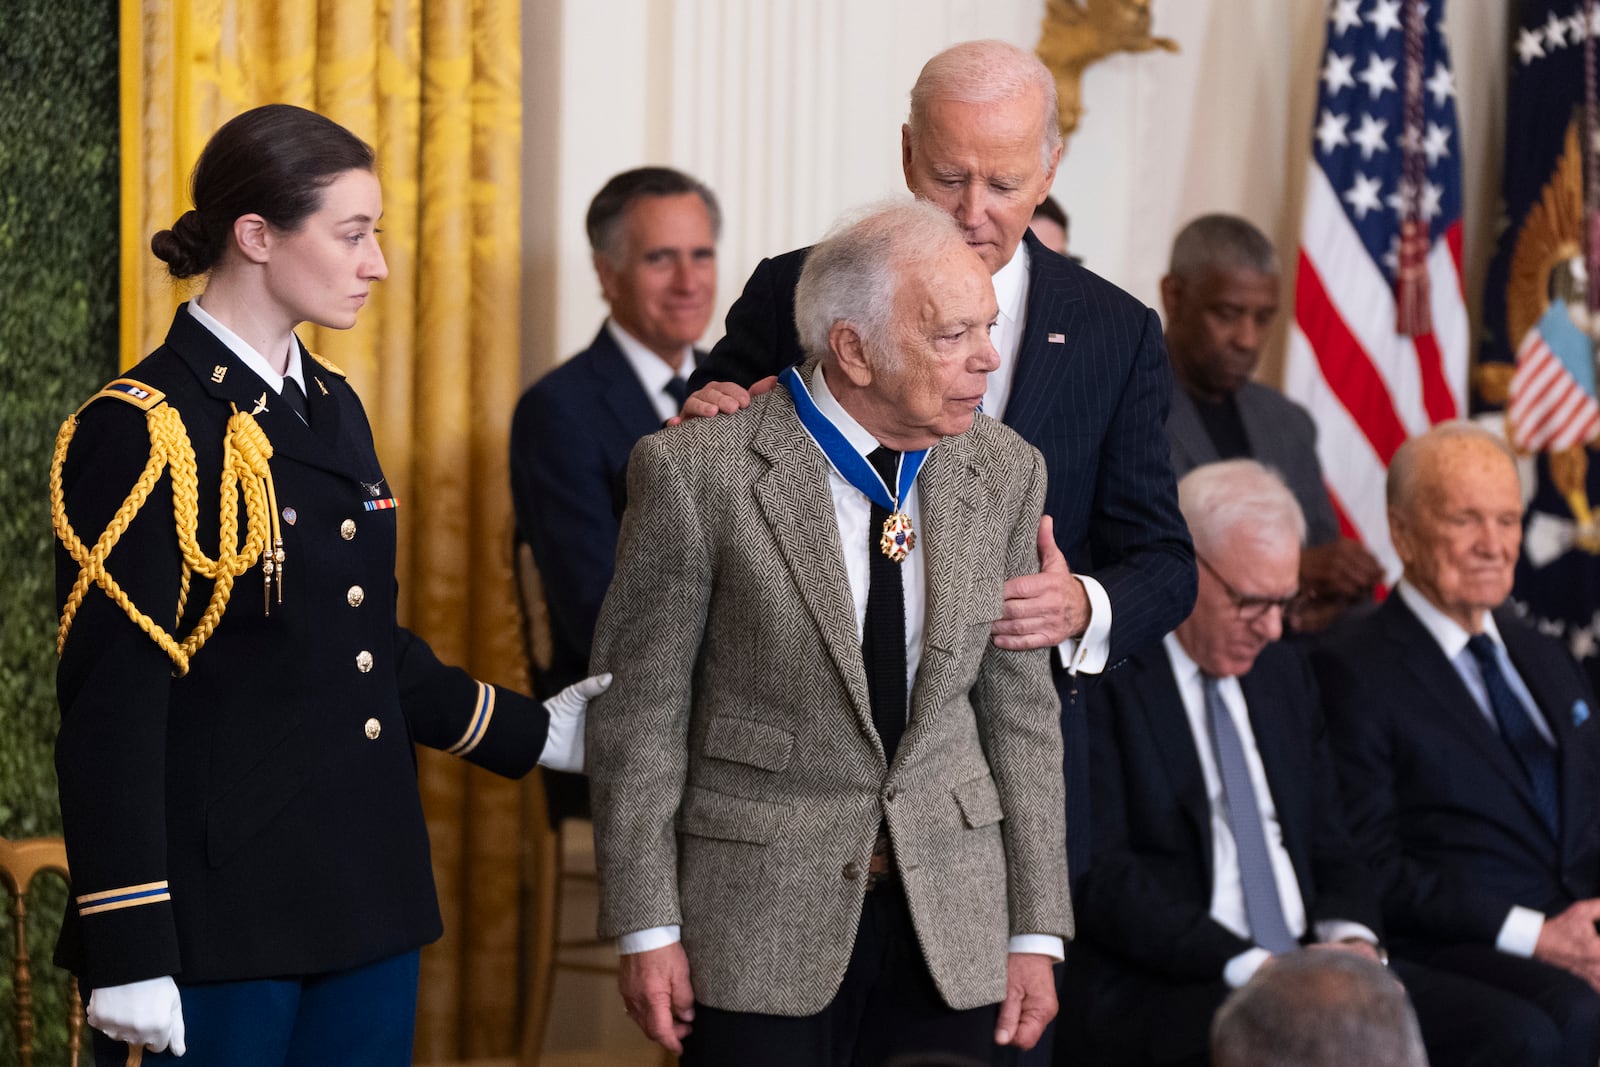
983	72
851	274
1239	498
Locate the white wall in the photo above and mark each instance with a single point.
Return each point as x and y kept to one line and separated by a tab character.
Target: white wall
791	110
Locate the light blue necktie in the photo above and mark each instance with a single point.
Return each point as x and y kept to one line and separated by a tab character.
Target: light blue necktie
1262	904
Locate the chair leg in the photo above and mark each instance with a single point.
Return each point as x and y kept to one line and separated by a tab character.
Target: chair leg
542	919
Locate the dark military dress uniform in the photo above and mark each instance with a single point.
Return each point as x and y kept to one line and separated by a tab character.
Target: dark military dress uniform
257	816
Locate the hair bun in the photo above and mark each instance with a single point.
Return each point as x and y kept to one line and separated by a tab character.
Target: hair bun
185	248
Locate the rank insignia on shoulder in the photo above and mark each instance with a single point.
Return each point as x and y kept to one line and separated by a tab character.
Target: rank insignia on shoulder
138	394
327	365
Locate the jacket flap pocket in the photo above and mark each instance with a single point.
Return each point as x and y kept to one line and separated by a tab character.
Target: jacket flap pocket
730	818
979	801
757	744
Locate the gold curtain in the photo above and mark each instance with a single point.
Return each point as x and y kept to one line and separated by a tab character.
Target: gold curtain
435	87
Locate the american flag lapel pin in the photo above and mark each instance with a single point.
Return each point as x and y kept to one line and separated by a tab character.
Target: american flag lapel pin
1057	338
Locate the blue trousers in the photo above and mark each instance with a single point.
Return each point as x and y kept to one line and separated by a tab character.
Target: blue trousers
364	1017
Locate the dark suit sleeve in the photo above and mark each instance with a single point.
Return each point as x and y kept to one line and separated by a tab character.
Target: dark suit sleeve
498	729
1137	537
1369	755
114	685
561	488
760	337
1133	902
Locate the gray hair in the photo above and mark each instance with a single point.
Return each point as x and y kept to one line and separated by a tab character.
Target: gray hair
1239	498
851	274
1400	486
1221	242
982	72
1318	1009
610	205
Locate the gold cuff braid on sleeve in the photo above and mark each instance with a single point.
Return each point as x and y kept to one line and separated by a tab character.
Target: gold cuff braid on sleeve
245	470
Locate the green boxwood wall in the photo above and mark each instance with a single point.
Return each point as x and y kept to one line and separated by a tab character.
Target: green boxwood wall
58	338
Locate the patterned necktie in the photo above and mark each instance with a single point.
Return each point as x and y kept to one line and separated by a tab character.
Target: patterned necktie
678	389
296	399
883	635
1536	758
1262	904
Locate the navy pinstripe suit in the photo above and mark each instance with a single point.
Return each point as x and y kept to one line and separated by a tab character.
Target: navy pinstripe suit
1095	404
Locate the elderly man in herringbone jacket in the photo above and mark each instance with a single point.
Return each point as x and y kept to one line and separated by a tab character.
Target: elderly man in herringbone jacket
828	809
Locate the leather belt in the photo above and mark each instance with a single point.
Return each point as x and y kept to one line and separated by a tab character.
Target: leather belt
881	870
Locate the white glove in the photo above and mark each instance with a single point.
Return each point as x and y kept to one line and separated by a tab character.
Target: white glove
147	1013
563	745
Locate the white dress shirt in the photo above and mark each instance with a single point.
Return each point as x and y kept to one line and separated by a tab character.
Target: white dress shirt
1227	887
853	512
1519	934
248	355
652	371
1090	652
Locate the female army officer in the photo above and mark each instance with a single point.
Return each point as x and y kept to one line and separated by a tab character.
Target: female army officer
251	878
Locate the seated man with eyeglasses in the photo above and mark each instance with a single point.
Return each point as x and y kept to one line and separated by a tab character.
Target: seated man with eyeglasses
1219	841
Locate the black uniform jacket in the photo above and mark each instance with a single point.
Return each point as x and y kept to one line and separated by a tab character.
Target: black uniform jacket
258	816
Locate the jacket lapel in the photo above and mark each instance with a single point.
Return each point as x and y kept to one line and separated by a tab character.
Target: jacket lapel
1188	435
949	490
1054	307
794	498
1174	740
1288	777
226	378
1439	686
621	389
1555	705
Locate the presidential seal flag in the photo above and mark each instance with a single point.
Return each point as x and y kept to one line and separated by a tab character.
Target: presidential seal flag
1379	345
1536	367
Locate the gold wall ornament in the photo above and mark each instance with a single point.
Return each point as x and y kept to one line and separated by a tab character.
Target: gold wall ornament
1076	33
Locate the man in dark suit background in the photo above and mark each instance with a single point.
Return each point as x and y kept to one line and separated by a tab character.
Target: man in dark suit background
1466	749
1219	839
653	232
1220	295
1082	377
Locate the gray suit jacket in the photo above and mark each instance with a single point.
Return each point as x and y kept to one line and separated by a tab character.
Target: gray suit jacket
738	782
1281	435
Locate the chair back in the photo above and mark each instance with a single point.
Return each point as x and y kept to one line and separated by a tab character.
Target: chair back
20	862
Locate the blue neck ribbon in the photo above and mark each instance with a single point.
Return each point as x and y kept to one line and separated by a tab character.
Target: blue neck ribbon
841	454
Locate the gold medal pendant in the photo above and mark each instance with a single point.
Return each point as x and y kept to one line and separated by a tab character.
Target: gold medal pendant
898	537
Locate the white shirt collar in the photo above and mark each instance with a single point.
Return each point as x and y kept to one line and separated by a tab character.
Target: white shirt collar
859	437
653	371
1011	284
248	355
1184	668
1448	633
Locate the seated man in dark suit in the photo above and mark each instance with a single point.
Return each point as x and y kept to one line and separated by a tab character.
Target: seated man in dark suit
654	233
1221	298
1469	764
1219	843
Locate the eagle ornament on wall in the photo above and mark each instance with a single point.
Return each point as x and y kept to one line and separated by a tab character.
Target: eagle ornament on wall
1077	33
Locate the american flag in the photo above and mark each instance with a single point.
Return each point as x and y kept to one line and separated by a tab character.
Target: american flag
1385	149
1549	410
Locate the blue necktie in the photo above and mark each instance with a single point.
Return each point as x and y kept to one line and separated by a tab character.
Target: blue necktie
678	389
1262	904
1536	758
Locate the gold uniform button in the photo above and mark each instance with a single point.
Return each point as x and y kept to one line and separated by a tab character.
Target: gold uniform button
355	595
363	661
374	728
347	529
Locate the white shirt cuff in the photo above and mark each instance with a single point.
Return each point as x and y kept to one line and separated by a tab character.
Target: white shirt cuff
1239	970
1332	931
1042	944
563	741
1090	652
1519	934
645	940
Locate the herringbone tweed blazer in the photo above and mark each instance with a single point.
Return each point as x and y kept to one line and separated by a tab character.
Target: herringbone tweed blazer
738	782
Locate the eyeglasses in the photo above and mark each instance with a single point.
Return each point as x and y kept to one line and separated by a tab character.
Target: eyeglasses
1253	608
